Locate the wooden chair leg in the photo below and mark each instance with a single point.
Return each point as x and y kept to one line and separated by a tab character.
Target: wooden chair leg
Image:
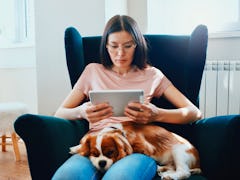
15	146
4	143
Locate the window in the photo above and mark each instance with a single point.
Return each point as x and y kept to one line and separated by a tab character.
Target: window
180	17
15	22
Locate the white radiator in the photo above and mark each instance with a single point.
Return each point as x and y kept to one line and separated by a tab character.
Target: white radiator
220	88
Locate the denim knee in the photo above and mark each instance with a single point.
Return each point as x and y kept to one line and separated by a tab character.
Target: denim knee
75	168
132	167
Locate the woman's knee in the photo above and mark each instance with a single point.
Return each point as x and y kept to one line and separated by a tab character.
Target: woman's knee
76	167
134	166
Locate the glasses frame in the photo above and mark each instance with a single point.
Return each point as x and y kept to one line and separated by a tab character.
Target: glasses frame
125	47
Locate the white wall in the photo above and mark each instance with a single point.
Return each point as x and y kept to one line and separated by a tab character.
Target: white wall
138	10
18	76
223	48
51	19
115	7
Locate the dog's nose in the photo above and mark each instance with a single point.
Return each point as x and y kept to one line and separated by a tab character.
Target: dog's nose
102	163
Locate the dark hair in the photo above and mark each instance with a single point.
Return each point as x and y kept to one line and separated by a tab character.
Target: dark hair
124	23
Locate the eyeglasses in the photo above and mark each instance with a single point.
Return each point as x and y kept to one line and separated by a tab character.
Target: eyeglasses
125	47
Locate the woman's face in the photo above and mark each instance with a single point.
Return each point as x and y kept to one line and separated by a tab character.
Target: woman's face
121	48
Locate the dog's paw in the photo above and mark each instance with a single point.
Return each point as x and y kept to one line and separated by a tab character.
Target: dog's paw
165	175
163	168
165	172
74	149
196	171
174	175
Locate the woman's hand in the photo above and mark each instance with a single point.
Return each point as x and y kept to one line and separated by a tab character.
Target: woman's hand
141	113
94	113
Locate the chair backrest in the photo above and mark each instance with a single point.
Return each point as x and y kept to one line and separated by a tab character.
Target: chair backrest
180	58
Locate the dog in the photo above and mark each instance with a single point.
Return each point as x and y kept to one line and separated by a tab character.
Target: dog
177	158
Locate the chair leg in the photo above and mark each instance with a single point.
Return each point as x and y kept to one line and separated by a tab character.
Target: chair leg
4	143
15	146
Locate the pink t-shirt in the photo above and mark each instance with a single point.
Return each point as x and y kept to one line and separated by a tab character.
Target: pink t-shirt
96	77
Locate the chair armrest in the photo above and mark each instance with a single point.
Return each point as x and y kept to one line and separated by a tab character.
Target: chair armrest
217	139
47	141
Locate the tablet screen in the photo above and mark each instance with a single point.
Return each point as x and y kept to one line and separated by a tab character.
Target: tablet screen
118	99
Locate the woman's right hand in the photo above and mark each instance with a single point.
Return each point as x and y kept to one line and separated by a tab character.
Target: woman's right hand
94	113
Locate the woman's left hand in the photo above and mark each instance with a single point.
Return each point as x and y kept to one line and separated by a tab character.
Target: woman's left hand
141	113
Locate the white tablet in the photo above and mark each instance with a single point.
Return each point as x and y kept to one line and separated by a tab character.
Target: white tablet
118	99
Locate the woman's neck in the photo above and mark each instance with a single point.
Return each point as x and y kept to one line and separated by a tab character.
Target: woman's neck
122	71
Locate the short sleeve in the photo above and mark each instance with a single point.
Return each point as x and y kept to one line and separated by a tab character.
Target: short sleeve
84	82
162	86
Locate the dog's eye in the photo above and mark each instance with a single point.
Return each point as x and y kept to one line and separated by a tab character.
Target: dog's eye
110	153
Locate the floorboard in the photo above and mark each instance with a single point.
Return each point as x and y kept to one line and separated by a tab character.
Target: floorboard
11	170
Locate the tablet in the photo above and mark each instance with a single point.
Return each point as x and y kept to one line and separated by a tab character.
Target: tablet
118	99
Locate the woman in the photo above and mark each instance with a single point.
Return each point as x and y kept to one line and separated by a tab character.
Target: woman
124	66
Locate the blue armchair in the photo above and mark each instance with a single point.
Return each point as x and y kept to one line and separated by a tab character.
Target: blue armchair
182	60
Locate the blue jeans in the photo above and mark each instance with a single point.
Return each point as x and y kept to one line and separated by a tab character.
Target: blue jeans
132	167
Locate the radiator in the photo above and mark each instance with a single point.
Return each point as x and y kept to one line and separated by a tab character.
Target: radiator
220	88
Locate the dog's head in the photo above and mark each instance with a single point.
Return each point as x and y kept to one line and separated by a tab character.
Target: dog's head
105	148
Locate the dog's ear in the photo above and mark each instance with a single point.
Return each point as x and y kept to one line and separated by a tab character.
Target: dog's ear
127	147
124	148
74	149
84	149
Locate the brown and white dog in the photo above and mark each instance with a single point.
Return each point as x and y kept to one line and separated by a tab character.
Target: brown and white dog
177	158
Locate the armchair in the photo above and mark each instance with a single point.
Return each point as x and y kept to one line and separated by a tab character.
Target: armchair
182	60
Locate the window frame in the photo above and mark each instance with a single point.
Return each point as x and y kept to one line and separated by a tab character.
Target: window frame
20	33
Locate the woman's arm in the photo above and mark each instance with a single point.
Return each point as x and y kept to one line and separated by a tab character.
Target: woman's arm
69	109
185	112
73	109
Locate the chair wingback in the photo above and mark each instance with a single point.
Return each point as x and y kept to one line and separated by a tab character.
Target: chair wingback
195	62
74	53
180	58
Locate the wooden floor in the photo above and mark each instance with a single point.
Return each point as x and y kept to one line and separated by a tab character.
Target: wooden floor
11	170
